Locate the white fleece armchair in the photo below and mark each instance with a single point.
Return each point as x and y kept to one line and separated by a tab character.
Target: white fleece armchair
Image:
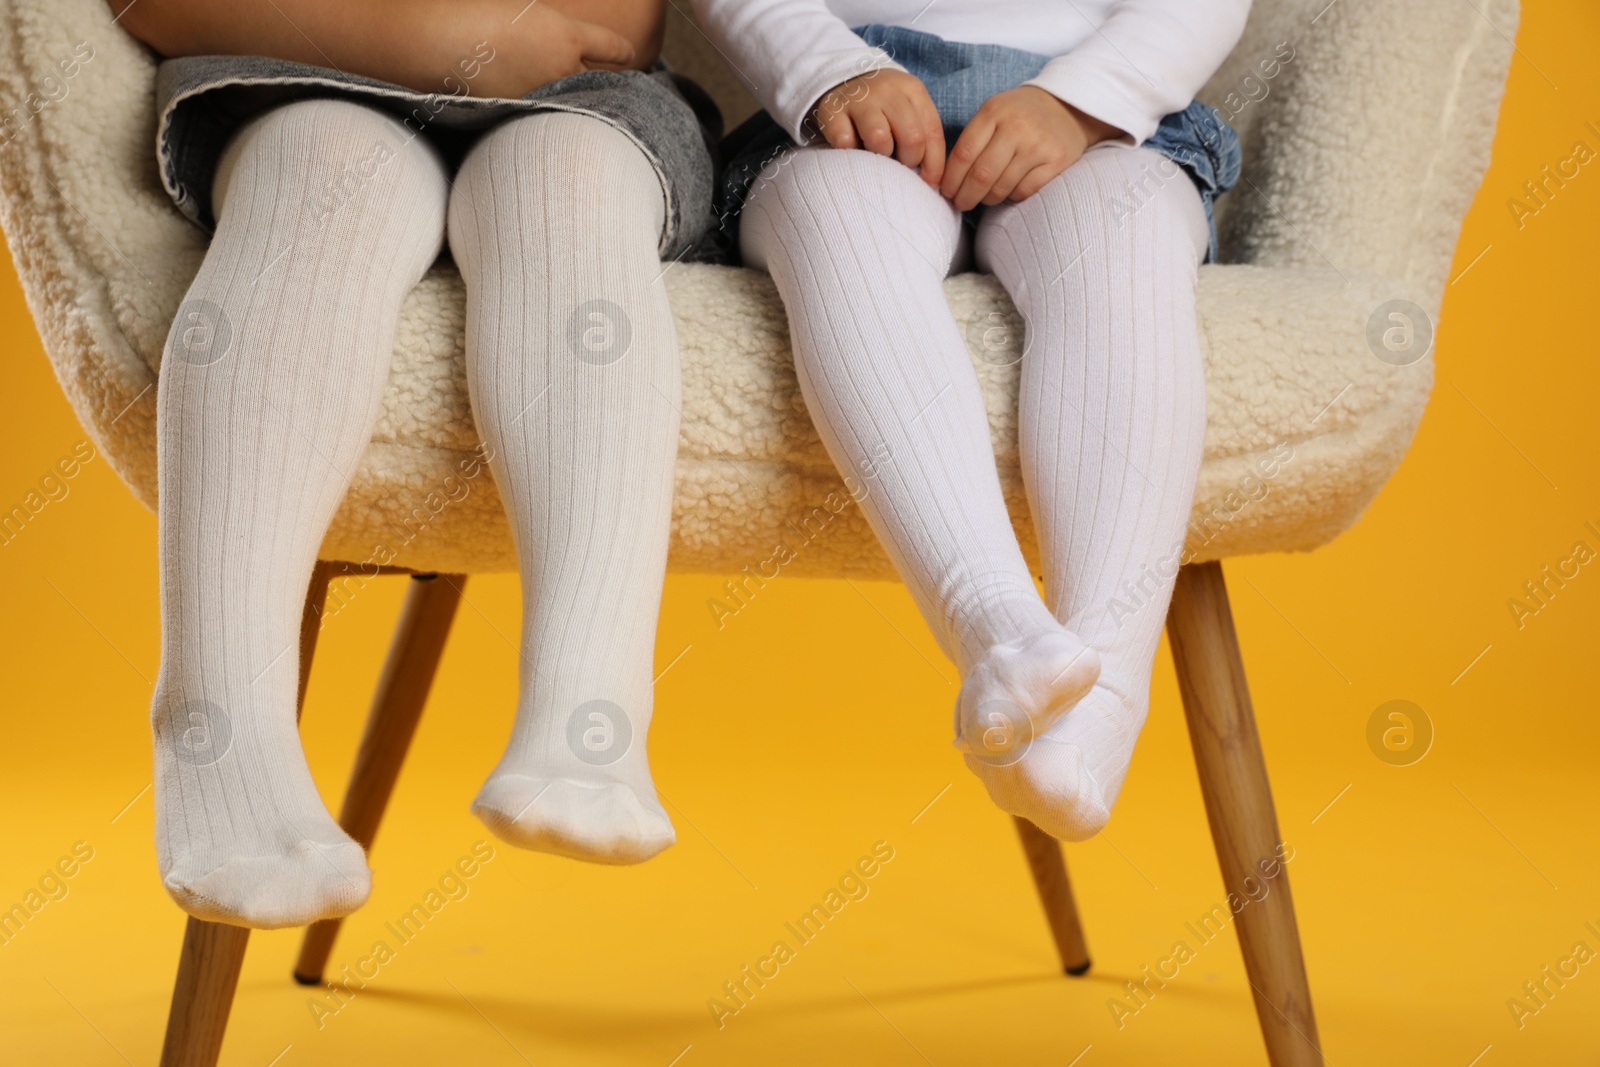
1362	153
1366	127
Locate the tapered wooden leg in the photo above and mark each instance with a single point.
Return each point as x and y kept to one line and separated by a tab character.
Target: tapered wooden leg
1244	824
1055	893
310	626
208	973
396	707
213	953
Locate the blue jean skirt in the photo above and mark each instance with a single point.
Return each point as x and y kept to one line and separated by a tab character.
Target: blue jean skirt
960	77
202	100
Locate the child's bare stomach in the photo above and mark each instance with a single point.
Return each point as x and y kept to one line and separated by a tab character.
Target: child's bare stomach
640	21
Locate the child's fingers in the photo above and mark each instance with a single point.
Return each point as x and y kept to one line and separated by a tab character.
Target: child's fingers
968	147
1021	165
988	167
909	132
597	45
831	118
872	126
1036	179
838	130
933	133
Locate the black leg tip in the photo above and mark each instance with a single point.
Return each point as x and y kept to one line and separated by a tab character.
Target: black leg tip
1077	972
307	979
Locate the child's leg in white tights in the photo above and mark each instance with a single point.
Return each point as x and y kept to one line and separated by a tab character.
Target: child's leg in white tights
573	368
269	388
1101	263
858	246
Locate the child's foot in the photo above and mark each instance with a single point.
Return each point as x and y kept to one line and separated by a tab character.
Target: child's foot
1018	690
1067	779
242	837
579	788
597	821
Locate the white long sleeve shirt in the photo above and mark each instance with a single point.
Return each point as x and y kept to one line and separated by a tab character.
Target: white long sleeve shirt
1125	62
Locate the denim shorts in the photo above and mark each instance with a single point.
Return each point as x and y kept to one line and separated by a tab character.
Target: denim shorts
960	77
202	100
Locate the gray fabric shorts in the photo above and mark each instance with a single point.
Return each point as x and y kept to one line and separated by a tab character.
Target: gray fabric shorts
202	100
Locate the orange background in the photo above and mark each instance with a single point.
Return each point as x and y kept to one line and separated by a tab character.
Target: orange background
815	724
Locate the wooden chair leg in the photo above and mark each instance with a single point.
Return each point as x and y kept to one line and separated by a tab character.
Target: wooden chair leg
1049	869
414	654
213	953
311	626
1244	823
208	974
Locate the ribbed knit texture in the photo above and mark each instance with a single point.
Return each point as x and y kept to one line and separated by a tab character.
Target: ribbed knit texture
573	369
1102	265
1111	429
269	388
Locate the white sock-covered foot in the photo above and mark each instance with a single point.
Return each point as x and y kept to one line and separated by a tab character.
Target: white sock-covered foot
573	369
270	385
602	822
579	788
242	835
1065	780
1019	689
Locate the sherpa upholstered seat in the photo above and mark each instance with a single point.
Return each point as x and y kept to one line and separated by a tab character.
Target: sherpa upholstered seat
1363	149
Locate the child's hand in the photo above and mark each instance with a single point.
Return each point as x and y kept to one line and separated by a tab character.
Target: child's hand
888	112
549	45
1018	141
